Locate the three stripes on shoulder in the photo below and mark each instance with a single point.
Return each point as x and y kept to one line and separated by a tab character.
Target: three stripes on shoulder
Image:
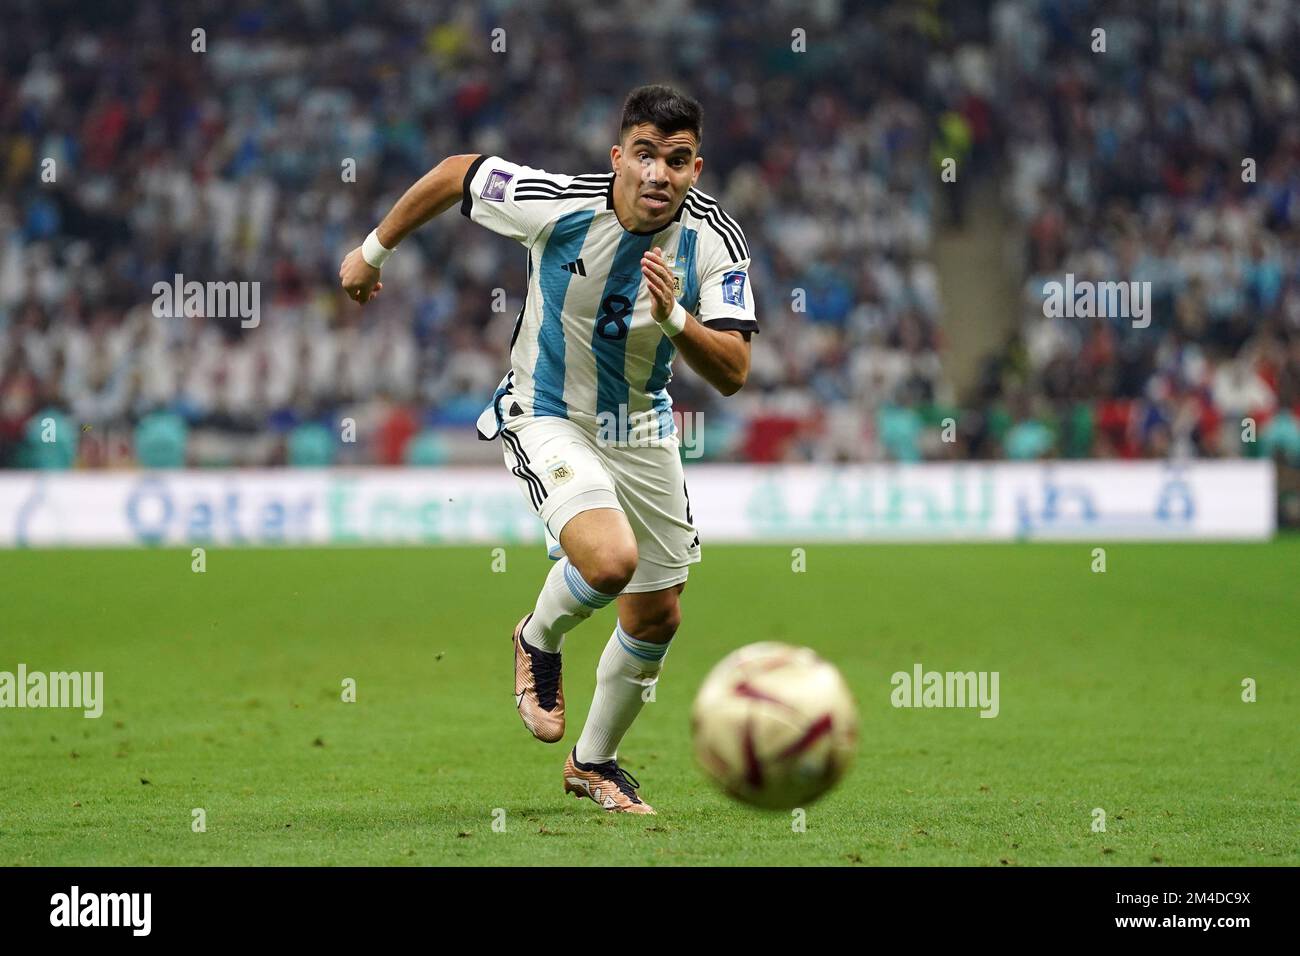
595	185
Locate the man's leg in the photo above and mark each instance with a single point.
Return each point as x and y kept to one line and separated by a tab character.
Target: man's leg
652	492
600	558
628	669
569	487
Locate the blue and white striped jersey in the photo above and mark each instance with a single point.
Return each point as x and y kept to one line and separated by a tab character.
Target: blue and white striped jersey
584	345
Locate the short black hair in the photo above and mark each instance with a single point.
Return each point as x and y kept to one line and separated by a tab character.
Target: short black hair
663	106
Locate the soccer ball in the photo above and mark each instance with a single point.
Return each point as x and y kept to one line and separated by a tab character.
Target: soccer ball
774	725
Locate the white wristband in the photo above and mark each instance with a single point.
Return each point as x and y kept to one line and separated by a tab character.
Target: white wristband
675	322
373	251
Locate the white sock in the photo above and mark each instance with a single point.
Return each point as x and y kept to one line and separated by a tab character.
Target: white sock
565	602
627	668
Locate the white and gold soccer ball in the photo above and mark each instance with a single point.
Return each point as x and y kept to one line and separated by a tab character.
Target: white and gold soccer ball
774	725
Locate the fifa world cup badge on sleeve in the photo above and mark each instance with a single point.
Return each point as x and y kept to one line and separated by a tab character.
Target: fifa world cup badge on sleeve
495	187
733	288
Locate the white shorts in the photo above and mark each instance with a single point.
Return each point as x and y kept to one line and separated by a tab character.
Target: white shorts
562	469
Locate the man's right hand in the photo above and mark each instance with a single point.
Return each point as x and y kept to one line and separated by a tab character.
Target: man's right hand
359	278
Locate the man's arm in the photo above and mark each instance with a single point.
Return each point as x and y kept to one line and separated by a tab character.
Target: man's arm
433	194
720	357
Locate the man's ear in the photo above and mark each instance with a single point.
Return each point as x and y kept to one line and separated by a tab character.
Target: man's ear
615	152
699	167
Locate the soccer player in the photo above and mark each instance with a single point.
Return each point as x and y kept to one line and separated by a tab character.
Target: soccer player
625	269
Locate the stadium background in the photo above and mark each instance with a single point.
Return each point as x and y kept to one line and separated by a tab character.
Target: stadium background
920	299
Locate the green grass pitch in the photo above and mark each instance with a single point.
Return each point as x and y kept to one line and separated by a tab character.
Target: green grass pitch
1120	690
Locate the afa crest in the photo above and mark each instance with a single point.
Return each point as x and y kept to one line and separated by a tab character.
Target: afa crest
678	265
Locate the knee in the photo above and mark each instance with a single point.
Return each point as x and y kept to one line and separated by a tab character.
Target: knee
659	626
613	570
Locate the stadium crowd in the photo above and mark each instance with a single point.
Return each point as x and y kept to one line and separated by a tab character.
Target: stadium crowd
1171	158
263	147
232	165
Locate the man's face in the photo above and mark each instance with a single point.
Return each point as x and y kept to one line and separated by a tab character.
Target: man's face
652	172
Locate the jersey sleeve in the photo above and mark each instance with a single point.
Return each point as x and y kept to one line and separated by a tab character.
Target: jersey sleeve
497	194
726	296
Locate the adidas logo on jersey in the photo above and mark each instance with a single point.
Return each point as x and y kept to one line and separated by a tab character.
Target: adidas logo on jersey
576	267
